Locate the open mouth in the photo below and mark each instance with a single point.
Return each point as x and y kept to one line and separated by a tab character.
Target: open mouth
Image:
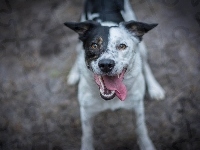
111	86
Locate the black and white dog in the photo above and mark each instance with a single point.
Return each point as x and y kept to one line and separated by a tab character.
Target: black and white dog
112	64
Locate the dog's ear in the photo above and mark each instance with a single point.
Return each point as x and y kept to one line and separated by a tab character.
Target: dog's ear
138	28
81	27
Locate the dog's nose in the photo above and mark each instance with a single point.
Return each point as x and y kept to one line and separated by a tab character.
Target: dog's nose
106	65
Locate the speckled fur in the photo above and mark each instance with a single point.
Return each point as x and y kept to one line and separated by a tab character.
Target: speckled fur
122	58
134	58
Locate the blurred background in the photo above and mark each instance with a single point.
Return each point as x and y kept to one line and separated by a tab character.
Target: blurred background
39	111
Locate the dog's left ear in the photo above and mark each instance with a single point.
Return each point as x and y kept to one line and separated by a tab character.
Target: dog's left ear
81	27
138	28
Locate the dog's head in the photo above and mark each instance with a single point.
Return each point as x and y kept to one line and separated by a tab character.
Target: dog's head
109	50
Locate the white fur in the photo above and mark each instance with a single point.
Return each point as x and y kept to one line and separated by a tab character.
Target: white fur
134	57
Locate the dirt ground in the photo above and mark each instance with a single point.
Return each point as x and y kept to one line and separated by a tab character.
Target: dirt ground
39	111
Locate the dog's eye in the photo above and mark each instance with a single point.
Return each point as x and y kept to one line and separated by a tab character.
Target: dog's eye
94	46
121	47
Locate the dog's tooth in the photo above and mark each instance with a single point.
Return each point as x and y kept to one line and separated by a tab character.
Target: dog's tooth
118	76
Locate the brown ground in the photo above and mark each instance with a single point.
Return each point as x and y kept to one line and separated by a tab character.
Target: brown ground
38	111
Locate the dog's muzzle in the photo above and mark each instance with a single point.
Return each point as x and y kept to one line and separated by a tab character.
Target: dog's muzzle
111	86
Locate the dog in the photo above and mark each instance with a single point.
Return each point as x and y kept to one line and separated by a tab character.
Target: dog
111	68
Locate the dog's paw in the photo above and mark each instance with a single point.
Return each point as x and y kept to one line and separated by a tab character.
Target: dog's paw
156	92
73	78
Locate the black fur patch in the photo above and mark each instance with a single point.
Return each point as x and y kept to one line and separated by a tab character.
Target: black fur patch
91	32
108	10
99	36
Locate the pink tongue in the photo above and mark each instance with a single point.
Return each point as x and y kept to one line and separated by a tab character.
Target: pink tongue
115	84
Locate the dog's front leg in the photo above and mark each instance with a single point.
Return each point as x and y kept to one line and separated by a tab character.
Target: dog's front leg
87	129
144	141
154	88
74	74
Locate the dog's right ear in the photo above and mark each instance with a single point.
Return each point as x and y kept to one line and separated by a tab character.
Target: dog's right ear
81	27
138	28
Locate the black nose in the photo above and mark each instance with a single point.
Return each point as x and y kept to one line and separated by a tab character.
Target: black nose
106	65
